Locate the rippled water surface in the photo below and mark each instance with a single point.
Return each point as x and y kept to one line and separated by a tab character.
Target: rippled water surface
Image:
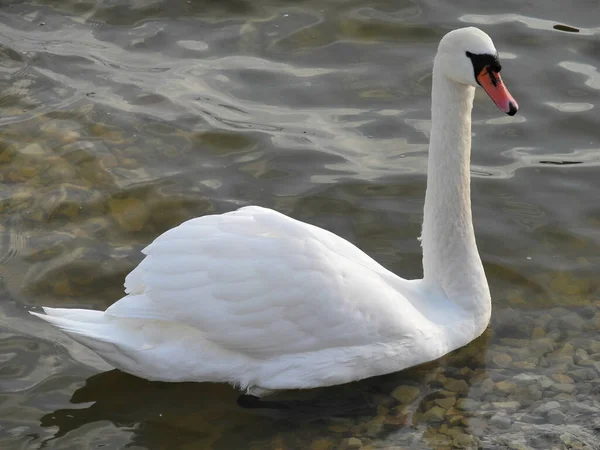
120	119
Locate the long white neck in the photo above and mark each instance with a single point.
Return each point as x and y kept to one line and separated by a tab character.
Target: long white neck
450	257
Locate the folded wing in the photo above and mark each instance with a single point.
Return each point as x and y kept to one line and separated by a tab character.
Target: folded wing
262	284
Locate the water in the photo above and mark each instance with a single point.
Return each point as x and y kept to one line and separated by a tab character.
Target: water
119	120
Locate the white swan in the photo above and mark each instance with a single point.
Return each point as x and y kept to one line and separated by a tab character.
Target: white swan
265	302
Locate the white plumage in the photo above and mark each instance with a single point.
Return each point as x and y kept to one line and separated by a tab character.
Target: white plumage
266	302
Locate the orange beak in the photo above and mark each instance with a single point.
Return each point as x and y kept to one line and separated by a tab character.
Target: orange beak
493	85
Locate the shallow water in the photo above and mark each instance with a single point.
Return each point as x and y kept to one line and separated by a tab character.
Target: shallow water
119	120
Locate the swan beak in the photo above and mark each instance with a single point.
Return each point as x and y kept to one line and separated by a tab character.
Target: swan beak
493	85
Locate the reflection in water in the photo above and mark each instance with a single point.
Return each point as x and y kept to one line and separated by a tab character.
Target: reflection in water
119	120
206	414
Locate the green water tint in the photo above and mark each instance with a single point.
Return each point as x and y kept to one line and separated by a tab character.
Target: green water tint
152	113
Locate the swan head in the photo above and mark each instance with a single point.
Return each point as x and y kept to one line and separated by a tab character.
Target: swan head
468	56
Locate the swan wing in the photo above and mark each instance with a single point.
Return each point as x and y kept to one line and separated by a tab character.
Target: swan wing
260	283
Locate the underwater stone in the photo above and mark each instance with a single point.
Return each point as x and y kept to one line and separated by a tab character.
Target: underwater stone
130	213
545	382
580	354
322	444
446	403
532	418
352	443
502	360
33	150
542	346
538	333
487	386
584	374
510	406
457	385
525	379
500	421
572	320
506	387
584	408
564	387
467	404
405	394
556	417
562	378
435	413
546	407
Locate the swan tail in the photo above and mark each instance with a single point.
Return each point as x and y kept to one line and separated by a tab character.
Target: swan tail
88	327
78	315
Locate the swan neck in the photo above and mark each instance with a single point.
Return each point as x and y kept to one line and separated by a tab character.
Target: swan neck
450	257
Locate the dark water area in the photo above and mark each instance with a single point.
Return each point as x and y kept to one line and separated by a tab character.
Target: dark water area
121	119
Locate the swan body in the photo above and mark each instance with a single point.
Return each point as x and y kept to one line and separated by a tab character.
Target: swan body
266	302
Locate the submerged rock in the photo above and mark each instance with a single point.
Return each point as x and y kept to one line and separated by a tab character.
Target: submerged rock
467	404
454	385
556	417
500	421
502	360
352	443
562	378
525	379
572	320
538	333
528	394
435	413
506	387
546	407
405	394
563	387
510	406
487	385
446	403
581	407
130	213
533	418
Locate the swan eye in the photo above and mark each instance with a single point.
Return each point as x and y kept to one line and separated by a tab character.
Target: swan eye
484	61
492	74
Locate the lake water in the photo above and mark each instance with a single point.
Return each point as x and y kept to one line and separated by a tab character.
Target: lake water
119	120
